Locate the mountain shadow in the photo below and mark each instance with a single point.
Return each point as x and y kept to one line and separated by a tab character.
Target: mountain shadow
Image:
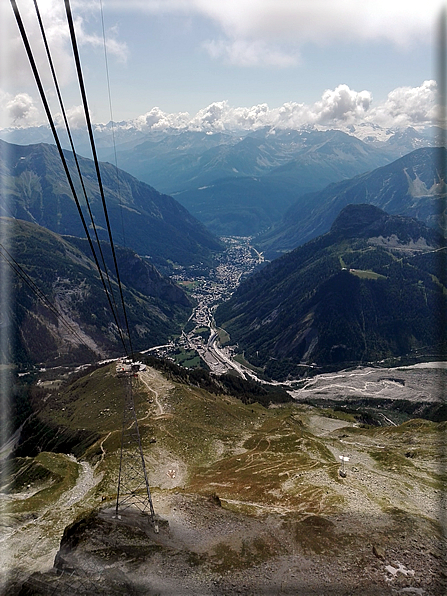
75	323
369	289
35	189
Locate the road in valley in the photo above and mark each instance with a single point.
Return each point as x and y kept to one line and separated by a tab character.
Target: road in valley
239	260
414	383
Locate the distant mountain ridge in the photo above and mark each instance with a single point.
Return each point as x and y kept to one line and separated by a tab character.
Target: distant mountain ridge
409	186
368	289
189	160
266	172
240	182
128	134
65	273
35	189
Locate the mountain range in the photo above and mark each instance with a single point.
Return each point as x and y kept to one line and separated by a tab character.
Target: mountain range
366	290
265	173
34	188
79	326
126	135
240	182
409	186
191	160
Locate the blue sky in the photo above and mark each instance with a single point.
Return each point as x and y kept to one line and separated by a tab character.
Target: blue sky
183	55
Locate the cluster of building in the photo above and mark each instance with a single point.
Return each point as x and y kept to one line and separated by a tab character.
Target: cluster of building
238	260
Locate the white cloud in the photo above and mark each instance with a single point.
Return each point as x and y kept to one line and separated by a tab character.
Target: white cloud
323	21
251	118
250	53
75	117
337	108
156	119
408	106
114	46
342	104
213	117
251	25
21	110
15	65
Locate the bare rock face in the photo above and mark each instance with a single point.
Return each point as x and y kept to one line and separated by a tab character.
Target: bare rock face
203	549
105	535
378	551
98	553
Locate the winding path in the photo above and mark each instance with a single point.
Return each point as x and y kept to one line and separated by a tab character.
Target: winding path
142	376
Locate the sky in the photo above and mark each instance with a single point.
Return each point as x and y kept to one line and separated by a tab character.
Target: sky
232	63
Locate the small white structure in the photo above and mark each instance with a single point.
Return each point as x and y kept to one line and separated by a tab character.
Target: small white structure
342	470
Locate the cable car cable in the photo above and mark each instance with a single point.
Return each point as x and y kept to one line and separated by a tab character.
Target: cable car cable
95	157
106	61
61	154
64	115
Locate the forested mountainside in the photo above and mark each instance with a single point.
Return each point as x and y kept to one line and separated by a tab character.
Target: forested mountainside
35	189
79	327
367	290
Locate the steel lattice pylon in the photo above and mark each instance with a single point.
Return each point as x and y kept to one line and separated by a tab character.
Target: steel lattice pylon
133	484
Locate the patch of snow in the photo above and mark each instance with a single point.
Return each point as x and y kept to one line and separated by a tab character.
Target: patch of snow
393	571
